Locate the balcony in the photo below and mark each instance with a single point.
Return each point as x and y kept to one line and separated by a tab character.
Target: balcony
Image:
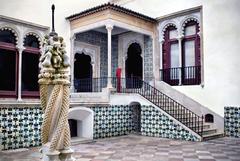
190	75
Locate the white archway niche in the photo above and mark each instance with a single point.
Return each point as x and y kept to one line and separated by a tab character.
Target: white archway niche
125	41
84	117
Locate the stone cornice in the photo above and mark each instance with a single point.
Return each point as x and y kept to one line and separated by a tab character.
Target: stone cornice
179	13
24	23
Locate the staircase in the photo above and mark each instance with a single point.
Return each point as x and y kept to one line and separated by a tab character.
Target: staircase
173	108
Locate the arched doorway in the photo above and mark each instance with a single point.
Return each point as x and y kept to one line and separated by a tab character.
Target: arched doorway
136	109
81	122
82	73
134	66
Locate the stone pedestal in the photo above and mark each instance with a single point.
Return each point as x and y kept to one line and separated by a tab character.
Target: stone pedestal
49	156
66	155
53	156
63	155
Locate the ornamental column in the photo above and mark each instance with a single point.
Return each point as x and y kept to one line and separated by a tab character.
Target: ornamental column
109	28
180	59
20	51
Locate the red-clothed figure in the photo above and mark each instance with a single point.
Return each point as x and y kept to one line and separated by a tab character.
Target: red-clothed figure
118	75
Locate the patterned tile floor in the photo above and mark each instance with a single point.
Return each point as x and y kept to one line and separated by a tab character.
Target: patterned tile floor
141	148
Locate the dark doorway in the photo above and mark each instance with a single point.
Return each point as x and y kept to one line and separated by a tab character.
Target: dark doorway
136	108
134	67
82	73
73	127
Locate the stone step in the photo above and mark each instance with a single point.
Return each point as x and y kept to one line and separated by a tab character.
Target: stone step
205	127
80	140
209	131
212	136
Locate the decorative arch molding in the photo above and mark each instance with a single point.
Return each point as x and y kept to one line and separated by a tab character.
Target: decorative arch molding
13	29
91	50
134	103
84	51
37	34
165	25
85	118
187	19
130	43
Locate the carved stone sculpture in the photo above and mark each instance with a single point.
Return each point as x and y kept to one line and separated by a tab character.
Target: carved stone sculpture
54	95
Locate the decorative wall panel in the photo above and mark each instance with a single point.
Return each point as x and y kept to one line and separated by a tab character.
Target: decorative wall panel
20	127
156	124
232	121
112	121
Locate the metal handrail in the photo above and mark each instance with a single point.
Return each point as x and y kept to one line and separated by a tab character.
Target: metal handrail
164	102
190	75
137	85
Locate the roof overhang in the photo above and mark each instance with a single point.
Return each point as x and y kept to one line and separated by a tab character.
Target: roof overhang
114	14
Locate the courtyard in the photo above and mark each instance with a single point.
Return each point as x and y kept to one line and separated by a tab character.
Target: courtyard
142	148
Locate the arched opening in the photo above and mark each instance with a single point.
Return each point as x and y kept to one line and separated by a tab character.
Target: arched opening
170	72
209	118
191	57
81	122
136	110
82	73
30	57
134	66
8	63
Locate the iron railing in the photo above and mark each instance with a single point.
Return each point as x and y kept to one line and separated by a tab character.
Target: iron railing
190	75
164	102
136	85
90	84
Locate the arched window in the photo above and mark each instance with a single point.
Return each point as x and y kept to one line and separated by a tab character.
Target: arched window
191	61
171	56
8	63
30	59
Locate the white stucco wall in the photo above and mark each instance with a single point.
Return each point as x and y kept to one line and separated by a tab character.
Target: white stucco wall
221	38
39	12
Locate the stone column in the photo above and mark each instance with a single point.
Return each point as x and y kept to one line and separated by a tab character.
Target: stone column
109	28
72	40
180	58
20	50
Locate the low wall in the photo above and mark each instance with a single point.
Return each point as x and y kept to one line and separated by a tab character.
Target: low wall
20	127
232	121
155	123
118	120
112	121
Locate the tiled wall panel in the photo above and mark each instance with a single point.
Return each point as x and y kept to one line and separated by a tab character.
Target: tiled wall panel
155	123
232	121
148	58
20	127
112	121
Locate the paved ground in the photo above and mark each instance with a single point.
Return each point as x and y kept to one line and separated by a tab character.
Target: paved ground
140	148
